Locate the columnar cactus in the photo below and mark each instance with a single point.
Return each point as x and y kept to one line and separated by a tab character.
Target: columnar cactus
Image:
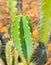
22	37
44	31
15	57
12	7
21	33
44	20
11	54
8	53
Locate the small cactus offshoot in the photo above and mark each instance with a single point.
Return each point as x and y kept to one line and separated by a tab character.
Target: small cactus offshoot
11	54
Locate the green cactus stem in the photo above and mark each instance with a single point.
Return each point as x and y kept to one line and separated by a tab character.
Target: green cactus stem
15	57
12	7
11	54
22	37
44	20
8	53
21	33
15	32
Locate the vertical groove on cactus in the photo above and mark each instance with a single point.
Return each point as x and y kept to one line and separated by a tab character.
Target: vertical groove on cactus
23	39
44	22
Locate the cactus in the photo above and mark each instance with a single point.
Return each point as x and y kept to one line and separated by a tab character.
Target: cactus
44	21
12	8
15	57
23	41
20	24
11	54
21	31
8	54
40	56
